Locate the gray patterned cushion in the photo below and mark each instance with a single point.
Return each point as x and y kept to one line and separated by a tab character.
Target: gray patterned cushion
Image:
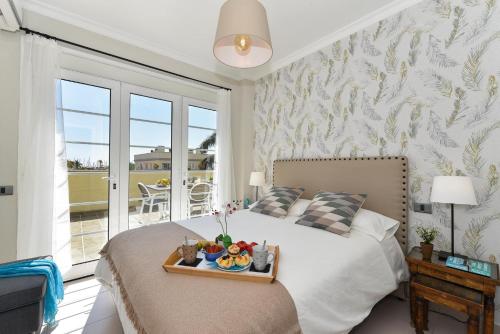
332	212
277	201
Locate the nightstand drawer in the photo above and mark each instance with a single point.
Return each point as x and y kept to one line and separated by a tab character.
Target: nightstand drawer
454	278
450	288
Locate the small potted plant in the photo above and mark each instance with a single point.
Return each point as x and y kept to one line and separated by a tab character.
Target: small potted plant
229	209
427	234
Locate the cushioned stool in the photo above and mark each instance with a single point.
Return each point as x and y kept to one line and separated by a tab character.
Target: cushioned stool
21	304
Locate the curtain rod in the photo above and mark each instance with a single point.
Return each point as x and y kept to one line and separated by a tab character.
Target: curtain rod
29	31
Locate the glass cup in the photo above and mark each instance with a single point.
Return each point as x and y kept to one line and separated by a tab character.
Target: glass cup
261	257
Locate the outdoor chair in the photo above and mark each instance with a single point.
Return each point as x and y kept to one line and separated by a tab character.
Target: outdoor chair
200	197
160	200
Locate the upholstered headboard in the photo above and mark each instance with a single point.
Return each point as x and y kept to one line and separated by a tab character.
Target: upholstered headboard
383	179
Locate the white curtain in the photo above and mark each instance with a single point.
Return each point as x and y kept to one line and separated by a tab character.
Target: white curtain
43	208
224	164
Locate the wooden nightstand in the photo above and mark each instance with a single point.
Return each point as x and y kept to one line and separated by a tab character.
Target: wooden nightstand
462	291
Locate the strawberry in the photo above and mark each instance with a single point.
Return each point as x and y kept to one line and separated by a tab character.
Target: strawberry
213	249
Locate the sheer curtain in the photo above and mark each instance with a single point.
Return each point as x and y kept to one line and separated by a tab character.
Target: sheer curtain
225	172
43	207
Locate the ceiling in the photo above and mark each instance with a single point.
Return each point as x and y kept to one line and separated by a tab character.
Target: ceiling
185	29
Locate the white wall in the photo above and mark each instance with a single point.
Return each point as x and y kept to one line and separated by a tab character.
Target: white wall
9	107
242	103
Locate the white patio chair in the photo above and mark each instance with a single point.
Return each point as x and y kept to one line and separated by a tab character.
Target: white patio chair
161	200
200	196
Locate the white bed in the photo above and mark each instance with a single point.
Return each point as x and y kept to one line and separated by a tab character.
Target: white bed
334	281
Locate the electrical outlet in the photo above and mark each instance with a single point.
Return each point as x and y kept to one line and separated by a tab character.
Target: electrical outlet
422	207
6	190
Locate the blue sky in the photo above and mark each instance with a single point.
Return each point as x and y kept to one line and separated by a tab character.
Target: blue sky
95	128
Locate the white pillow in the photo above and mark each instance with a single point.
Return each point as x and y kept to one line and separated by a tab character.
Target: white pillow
374	224
298	208
253	204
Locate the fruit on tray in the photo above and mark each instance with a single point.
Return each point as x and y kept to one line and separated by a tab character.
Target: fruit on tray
213	249
204	243
225	261
242	260
233	250
246	247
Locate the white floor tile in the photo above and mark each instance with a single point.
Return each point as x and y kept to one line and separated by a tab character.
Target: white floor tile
104	307
80	284
110	325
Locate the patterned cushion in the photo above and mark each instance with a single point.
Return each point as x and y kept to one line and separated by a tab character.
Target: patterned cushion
332	212
277	201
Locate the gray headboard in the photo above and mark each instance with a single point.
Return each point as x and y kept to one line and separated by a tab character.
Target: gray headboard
383	179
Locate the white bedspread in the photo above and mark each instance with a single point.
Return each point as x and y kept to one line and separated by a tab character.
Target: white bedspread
334	281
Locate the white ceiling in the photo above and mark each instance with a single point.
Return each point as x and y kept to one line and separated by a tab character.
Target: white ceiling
185	29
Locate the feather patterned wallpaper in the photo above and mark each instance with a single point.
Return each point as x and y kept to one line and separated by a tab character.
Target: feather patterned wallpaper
423	83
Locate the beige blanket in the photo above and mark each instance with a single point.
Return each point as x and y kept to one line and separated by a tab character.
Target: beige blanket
161	302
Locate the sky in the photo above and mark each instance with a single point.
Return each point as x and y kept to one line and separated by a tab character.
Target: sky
95	128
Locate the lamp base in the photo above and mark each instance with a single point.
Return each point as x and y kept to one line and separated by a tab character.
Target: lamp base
443	255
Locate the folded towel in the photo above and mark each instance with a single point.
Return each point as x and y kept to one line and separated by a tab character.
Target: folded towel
55	288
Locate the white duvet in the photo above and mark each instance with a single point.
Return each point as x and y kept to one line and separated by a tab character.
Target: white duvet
334	281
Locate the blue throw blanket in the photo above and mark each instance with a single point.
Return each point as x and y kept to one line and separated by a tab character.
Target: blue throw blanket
55	289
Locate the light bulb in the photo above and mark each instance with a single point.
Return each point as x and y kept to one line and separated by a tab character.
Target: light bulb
242	44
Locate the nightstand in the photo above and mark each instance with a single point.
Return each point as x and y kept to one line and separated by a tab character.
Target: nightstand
462	291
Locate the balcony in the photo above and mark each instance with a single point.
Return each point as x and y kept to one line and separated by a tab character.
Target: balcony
88	194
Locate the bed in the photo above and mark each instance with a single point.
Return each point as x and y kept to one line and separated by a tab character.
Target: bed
326	283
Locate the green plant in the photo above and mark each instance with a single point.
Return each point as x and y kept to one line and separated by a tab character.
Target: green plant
229	209
427	234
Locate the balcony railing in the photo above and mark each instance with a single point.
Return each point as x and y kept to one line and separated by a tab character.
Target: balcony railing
89	192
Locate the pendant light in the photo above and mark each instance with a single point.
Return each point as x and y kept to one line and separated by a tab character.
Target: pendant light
243	38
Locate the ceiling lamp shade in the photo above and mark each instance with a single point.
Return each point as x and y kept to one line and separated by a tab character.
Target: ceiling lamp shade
242	39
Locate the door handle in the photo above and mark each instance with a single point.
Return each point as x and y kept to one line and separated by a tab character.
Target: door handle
109	178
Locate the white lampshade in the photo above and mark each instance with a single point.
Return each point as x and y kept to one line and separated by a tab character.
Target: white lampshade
243	38
453	190
257	179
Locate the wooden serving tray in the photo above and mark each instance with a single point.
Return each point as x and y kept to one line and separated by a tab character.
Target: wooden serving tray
171	266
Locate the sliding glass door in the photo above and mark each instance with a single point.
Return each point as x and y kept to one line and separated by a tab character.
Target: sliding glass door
90	109
150	162
135	157
168	157
199	158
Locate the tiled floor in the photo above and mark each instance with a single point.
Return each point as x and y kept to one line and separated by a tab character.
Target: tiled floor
90	233
391	316
89	308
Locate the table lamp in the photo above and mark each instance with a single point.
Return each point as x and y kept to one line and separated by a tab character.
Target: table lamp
452	190
257	180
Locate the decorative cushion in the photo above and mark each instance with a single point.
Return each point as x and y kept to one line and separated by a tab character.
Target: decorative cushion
332	212
277	201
